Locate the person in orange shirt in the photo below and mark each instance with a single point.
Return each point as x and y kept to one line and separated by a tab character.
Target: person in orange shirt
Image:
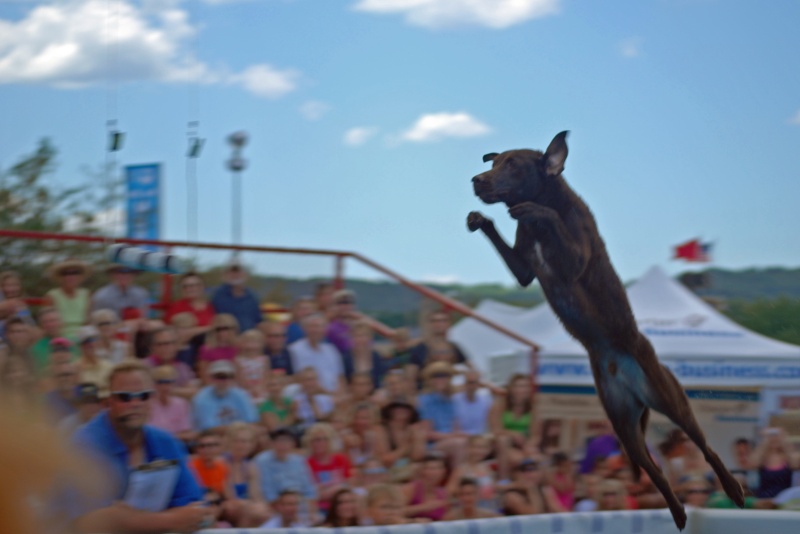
211	470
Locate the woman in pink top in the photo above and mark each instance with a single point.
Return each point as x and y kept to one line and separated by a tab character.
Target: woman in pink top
562	480
426	495
220	343
167	411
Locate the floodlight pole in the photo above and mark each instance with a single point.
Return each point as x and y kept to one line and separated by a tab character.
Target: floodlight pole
236	164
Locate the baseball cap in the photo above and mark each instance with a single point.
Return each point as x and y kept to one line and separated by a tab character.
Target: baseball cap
221	366
86	333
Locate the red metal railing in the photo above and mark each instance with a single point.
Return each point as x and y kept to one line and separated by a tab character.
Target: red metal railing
339	256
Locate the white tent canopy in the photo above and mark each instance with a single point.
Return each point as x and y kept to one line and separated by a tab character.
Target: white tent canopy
699	344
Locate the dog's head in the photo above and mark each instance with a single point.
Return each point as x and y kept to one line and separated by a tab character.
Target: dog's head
521	175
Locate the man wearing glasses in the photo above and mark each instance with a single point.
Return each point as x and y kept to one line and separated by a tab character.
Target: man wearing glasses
218	405
152	489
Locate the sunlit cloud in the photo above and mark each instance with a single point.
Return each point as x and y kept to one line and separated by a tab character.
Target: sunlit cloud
80	43
495	14
437	126
631	48
359	135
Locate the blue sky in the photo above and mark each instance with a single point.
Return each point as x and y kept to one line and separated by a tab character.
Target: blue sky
367	118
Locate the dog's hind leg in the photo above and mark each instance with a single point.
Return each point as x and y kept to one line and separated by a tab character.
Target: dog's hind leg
672	401
628	416
633	441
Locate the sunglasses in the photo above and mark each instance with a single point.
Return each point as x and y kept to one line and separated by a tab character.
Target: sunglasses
440	375
88	340
165	343
221	376
104	323
222	328
71	272
128	396
164	381
208	444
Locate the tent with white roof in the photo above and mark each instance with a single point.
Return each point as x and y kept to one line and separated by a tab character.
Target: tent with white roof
699	344
735	378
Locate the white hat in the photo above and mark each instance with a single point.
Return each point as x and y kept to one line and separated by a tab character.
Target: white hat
221	366
87	332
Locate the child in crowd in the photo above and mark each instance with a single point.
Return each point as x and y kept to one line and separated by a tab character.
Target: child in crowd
478	469
277	410
253	367
385	506
211	470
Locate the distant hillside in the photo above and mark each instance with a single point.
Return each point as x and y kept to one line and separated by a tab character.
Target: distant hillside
752	284
397	305
392	303
764	300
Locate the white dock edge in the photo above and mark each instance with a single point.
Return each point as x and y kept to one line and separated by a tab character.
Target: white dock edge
627	522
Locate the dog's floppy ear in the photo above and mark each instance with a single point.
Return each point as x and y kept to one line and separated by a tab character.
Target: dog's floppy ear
556	154
490	156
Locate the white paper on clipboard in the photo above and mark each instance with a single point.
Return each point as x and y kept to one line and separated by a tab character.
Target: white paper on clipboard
150	487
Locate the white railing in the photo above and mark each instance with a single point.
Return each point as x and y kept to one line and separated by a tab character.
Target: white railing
627	522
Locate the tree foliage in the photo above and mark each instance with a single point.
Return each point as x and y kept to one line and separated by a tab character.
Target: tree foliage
776	318
31	199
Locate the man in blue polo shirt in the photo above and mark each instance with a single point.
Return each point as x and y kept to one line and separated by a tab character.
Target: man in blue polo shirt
151	488
222	403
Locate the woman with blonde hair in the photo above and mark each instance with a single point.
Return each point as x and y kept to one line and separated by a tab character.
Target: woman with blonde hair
359	436
242	506
330	469
775	461
109	346
220	343
252	366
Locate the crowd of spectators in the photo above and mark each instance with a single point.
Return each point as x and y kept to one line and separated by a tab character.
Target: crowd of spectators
206	413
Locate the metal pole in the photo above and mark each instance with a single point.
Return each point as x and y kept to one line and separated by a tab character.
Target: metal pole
236	222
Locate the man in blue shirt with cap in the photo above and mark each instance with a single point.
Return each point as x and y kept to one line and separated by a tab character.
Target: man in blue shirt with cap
152	489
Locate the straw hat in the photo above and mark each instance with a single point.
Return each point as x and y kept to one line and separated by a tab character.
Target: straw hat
56	271
437	368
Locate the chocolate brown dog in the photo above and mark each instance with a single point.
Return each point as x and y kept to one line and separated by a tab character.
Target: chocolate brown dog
557	242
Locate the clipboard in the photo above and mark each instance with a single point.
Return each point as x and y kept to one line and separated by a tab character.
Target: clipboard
150	486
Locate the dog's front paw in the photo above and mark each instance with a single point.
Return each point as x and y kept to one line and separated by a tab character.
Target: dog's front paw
476	221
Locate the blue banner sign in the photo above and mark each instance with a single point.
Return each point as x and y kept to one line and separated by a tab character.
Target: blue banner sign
144	201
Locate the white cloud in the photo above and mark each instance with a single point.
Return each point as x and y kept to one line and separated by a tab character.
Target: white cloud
795	119
314	110
359	135
264	80
441	279
631	48
78	43
437	126
446	13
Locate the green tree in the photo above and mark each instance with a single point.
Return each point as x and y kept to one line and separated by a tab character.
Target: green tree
776	318
31	200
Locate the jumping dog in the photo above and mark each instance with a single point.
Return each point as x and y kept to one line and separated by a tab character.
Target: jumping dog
557	242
